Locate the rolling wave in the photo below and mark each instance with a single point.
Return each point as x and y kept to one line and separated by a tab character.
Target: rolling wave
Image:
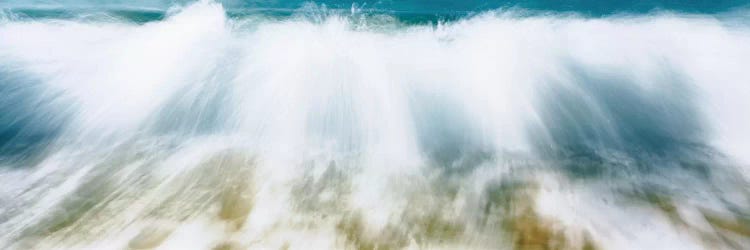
325	130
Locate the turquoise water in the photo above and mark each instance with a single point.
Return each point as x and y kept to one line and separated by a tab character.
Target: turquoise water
423	10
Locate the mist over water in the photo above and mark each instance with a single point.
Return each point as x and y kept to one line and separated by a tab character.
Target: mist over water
204	126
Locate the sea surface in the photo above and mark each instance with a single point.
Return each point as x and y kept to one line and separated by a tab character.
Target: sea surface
409	124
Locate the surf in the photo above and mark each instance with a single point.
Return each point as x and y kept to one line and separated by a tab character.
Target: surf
333	129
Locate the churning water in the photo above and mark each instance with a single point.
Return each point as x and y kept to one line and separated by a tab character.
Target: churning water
310	126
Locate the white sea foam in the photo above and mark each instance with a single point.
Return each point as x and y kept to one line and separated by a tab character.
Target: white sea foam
343	131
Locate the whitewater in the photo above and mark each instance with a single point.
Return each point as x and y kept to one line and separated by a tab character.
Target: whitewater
353	129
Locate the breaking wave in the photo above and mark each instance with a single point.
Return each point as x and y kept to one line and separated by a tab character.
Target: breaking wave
326	129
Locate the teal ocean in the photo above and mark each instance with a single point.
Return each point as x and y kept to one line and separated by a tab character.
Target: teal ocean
422	10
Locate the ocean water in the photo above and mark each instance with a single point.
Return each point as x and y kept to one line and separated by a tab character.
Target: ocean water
374	124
